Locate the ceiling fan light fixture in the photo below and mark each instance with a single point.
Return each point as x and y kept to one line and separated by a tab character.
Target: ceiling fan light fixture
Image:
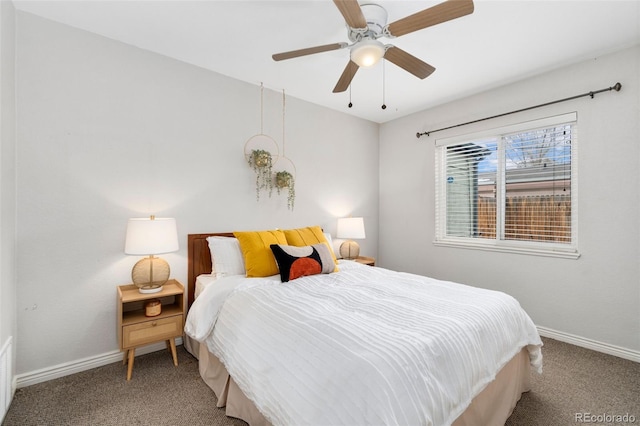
367	52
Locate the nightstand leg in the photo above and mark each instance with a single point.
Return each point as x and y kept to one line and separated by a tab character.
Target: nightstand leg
132	354
124	357
172	343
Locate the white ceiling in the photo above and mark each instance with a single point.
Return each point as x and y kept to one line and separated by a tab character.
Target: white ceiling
501	42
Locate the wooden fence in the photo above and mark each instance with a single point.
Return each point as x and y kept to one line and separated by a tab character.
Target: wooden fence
528	218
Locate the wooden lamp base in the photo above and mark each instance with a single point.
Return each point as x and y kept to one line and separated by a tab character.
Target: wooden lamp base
150	274
349	250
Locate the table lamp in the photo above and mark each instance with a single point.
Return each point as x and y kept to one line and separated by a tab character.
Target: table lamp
151	236
350	228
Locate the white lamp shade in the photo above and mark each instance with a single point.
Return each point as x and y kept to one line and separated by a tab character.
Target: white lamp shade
146	236
367	52
351	228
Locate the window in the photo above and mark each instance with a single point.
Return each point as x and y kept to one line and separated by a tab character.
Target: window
510	189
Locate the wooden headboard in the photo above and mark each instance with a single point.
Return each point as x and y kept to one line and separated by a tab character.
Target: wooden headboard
199	259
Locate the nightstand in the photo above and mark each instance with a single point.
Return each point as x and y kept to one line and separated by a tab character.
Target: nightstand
135	329
366	260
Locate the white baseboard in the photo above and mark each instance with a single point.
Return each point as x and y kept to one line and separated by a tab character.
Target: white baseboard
6	377
590	344
67	368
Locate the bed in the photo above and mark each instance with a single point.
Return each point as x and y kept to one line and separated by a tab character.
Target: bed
327	348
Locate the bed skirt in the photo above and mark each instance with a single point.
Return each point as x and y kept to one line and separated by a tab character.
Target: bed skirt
492	406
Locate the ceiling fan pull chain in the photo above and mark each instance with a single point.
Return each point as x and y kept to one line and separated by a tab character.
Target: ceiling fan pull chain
350	104
384	106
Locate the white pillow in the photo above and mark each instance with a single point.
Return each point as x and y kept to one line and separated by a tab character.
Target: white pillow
328	237
226	256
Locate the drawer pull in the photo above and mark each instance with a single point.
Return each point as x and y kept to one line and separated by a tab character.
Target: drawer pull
153	324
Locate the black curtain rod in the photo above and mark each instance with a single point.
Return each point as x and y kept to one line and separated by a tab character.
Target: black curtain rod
615	87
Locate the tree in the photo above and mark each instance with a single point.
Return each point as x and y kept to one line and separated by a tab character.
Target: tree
538	148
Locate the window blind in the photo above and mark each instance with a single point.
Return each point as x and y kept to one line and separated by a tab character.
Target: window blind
514	186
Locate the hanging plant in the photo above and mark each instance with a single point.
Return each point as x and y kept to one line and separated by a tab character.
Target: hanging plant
284	180
262	163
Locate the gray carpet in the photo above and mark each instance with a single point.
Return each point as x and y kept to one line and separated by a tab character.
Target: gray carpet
157	394
575	380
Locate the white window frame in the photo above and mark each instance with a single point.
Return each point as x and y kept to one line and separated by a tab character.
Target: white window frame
538	248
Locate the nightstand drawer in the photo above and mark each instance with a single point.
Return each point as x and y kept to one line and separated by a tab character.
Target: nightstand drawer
151	331
366	260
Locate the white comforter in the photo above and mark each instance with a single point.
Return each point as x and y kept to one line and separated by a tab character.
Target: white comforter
363	346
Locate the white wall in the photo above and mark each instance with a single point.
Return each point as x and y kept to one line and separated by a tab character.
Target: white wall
7	179
595	297
107	131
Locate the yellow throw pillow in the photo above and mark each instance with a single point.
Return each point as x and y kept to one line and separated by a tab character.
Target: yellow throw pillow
256	250
308	236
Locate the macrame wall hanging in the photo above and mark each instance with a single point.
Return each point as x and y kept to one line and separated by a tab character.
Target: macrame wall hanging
261	152
285	177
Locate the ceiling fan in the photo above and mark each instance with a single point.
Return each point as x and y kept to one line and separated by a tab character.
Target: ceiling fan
368	22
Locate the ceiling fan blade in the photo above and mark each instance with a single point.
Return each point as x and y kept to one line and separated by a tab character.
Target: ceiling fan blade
443	12
308	51
350	10
408	62
346	77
